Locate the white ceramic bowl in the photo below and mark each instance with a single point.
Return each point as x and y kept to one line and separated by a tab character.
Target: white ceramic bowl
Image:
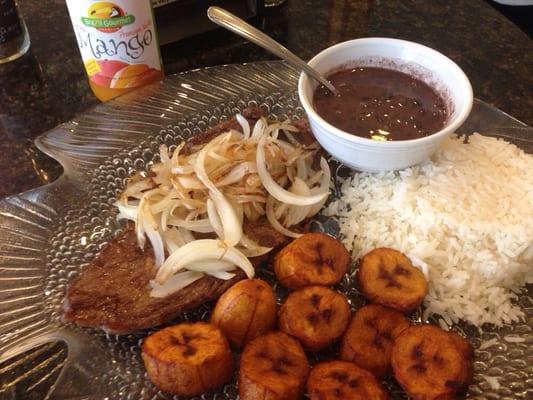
424	63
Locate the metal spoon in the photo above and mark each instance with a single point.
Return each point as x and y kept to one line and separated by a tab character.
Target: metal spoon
233	23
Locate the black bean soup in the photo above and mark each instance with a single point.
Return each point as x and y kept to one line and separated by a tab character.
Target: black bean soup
381	104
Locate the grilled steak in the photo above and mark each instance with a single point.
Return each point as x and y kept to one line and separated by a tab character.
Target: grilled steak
113	292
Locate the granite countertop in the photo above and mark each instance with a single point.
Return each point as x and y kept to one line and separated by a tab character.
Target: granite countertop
48	85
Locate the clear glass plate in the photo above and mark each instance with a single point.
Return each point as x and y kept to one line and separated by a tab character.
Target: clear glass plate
49	234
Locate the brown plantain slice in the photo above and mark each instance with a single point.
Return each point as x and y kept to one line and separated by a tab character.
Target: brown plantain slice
246	310
312	259
467	351
430	363
386	276
334	380
188	359
315	315
368	340
273	367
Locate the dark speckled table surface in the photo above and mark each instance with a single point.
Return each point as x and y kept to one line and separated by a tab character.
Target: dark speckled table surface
48	85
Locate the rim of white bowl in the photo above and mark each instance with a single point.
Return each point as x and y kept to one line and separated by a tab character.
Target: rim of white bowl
447	129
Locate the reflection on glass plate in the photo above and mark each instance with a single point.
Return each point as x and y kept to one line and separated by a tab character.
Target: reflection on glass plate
47	235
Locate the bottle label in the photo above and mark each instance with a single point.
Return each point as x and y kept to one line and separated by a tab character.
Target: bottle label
117	41
9	21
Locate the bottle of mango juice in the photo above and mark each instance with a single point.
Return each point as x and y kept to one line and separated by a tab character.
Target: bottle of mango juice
118	44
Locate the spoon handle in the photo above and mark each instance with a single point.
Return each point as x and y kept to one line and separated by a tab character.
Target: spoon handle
229	21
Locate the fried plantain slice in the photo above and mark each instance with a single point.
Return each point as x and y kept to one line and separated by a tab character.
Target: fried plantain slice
430	363
245	311
467	351
333	380
273	367
315	315
188	359
368	340
312	259
386	276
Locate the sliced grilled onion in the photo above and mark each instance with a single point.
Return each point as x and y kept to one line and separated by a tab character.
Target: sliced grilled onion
126	212
174	283
202	250
173	239
210	266
276	190
198	225
175	156
157	245
244	198
322	188
237	173
211	190
296	214
251	248
190	182
167	202
243	122
224	275
301	168
270	213
140	223
259	128
214	219
183	169
135	189
230	221
186	235
258	251
280	210
163	168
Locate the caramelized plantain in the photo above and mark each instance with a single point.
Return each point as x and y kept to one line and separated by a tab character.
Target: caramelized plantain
273	367
467	352
188	359
333	380
388	277
430	363
368	340
312	259
315	315
245	311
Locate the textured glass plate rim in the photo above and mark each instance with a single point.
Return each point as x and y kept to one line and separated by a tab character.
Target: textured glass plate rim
37	210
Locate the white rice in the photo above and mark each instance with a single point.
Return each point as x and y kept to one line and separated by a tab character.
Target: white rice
443	325
465	218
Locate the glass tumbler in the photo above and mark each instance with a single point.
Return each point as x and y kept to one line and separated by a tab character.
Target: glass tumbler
14	38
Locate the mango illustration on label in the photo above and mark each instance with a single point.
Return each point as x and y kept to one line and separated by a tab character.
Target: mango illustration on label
118	45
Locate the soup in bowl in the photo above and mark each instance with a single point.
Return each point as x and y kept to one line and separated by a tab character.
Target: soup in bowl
396	101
